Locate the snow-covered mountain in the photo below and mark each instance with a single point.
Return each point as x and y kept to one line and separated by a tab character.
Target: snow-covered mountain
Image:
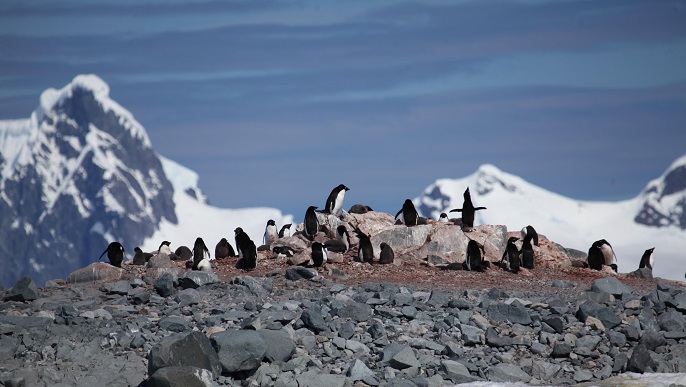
81	172
654	218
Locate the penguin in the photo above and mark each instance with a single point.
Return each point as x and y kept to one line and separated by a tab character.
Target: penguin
319	254
199	251
467	211
360	209
311	222
334	202
270	232
529	230
512	255
249	261
165	249
443	218
473	259
647	259
141	258
386	256
115	253
408	213
342	242
283	251
285	231
241	241
223	249
608	253
528	251
184	253
365	251
595	256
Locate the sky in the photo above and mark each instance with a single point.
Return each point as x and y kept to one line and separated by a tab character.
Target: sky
274	103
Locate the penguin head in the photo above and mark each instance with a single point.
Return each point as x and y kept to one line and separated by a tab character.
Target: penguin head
271	222
512	239
223	240
137	249
288	226
238	230
199	242
311	208
341	230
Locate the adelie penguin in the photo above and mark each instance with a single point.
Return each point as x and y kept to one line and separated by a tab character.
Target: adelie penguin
647	259
608	254
443	218
241	241
115	253
199	261
386	256
408	214
529	230
342	242
285	231
474	257
165	249
468	210
334	202
141	258
528	252
319	254
359	209
249	260
223	249
365	250
311	222
512	255
595	258
270	233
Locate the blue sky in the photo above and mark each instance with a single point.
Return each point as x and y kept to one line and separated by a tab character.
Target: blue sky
274	103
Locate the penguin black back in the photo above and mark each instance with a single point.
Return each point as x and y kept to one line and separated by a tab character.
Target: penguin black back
468	210
311	222
365	248
647	259
474	258
241	241
386	256
141	258
410	215
319	254
223	249
285	230
249	261
184	253
199	251
595	258
528	252
529	230
115	253
512	255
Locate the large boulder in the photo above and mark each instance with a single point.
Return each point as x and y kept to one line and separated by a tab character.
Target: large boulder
96	272
239	350
184	349
24	290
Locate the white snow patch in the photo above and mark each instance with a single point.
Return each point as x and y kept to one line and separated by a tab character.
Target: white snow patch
37	267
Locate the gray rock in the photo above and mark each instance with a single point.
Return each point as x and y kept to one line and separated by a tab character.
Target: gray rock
507	373
239	350
376	329
122	287
493	339
456	372
651	340
405	358
299	273
318	379
188	296
159	261
589	342
174	324
472	335
605	314
23	290
355	311
195	279
164	286
610	285
257	286
181	377
641	361
561	350
184	349
644	273
671	321
620	362
555	323
513	313
313	319
357	371
582	376
280	345
617	339
543	370
96	272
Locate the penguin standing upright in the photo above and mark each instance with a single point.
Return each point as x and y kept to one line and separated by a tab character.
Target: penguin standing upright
529	230
223	249
443	218
512	255
647	259
528	252
285	231
115	253
386	256
199	251
409	214
311	222
365	251
241	241
595	257
249	260
334	202
474	260
270	233
609	256
468	210
319	254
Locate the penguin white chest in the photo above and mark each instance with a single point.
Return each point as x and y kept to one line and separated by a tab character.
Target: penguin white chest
338	202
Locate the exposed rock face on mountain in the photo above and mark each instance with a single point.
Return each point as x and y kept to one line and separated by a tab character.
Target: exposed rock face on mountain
76	175
664	199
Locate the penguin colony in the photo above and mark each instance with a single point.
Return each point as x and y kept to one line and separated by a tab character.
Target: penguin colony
600	254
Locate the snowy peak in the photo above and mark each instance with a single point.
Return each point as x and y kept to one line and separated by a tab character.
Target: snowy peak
664	199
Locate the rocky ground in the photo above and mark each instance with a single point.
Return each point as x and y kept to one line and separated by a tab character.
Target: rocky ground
350	324
410	323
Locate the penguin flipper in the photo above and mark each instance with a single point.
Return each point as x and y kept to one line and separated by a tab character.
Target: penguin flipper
456	210
480	208
103	253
